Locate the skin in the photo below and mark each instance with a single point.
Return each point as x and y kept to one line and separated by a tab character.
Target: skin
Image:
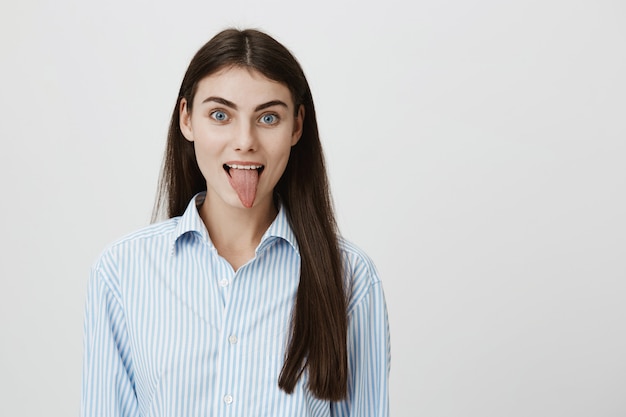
240	116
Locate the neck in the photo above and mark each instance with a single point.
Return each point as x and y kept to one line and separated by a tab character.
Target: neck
236	232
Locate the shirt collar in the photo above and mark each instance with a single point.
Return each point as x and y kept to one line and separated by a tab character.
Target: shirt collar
280	228
190	222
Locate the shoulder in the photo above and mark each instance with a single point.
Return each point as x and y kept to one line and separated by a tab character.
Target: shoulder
153	238
360	274
357	260
153	231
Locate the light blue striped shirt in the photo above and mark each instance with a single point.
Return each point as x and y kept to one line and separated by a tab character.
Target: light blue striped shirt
172	330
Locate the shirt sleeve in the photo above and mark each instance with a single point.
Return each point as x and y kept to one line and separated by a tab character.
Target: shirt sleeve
368	359
107	384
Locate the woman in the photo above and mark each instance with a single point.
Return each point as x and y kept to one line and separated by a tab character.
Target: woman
245	302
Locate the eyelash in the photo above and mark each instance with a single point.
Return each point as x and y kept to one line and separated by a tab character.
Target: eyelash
214	112
226	118
274	115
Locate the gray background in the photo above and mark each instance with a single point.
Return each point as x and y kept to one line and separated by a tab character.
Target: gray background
476	151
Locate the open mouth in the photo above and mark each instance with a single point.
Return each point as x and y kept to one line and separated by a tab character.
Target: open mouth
244	179
258	168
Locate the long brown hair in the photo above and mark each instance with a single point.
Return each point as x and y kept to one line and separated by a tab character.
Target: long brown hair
319	321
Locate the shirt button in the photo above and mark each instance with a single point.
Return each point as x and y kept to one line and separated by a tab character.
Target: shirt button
228	399
224	283
233	339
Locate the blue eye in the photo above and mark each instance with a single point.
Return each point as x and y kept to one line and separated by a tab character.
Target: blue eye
269	119
219	115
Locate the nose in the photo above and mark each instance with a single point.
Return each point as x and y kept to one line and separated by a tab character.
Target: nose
245	138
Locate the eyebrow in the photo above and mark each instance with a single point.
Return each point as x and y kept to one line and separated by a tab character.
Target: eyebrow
232	105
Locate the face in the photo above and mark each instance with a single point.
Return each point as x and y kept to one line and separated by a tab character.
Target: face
243	126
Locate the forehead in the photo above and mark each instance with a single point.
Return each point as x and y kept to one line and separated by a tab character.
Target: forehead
242	86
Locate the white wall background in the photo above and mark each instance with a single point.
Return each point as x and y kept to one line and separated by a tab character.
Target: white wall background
477	151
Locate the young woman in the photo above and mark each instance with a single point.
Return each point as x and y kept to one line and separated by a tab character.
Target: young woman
246	301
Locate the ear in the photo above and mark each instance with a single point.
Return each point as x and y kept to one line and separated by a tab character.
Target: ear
185	120
298	126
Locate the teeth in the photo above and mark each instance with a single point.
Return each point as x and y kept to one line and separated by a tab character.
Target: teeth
244	166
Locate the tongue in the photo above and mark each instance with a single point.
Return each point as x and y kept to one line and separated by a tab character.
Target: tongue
244	181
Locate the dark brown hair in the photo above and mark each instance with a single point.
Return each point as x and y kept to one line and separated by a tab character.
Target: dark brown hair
319	322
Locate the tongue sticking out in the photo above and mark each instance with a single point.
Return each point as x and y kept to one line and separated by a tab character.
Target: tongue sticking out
244	181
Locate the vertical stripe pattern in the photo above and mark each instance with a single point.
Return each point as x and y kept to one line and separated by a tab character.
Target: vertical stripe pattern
172	330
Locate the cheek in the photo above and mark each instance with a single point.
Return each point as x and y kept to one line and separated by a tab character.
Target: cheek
282	158
207	156
209	140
